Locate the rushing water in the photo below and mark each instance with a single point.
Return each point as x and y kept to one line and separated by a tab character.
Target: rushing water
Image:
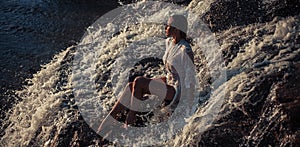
48	114
32	32
134	34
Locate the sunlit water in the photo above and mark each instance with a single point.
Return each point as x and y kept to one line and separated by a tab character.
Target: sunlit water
43	107
138	39
32	32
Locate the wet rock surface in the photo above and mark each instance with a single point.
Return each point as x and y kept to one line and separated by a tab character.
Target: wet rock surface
147	68
225	14
261	102
261	99
264	116
179	2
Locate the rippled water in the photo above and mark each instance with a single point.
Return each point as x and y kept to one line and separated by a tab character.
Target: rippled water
254	102
32	32
55	86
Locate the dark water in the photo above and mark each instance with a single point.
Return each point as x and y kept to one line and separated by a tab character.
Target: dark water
32	32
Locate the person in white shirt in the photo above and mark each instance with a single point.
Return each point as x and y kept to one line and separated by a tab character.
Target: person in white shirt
178	60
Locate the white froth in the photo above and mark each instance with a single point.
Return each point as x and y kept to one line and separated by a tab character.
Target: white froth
41	105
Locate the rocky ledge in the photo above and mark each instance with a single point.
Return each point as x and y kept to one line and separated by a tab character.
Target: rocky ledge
260	42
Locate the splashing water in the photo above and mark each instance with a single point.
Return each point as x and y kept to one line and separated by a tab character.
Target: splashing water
139	30
109	51
104	53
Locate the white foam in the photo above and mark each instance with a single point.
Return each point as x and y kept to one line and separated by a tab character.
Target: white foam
40	107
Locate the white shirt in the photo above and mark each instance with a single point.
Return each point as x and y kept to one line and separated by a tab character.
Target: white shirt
178	64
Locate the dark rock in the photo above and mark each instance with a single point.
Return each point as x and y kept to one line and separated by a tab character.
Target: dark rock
179	2
225	14
261	104
289	97
145	67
